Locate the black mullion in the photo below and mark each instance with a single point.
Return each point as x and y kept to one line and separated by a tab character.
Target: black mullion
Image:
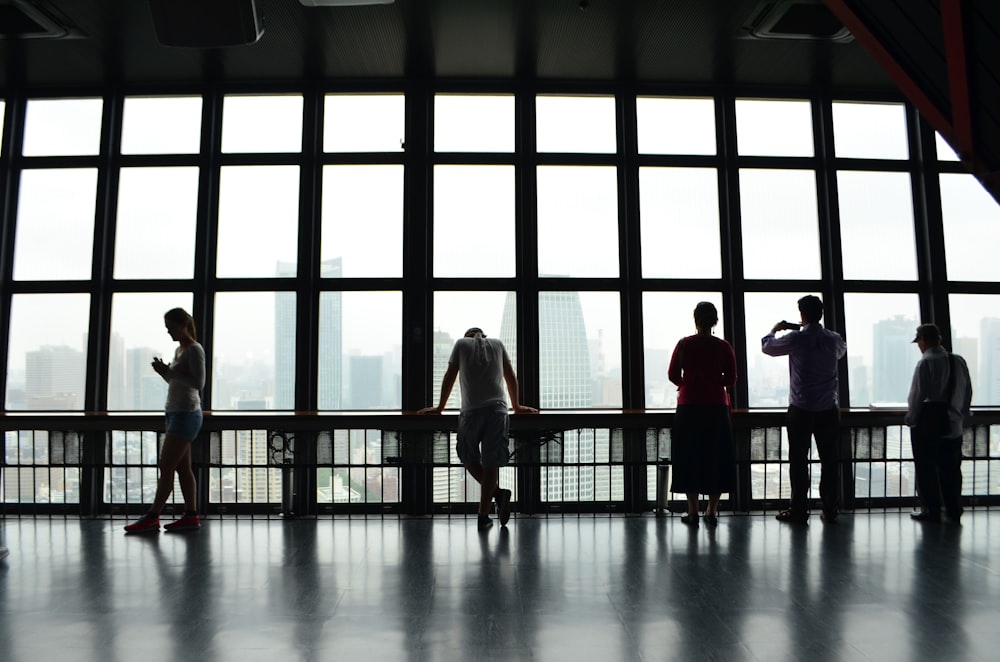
731	240
828	210
932	269
102	258
13	132
307	304
205	284
630	293
630	255
529	483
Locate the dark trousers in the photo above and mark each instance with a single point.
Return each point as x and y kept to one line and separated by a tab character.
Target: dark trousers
825	427
938	463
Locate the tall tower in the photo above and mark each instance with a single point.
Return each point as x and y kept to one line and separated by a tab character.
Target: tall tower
893	358
330	359
565	382
331	339
987	392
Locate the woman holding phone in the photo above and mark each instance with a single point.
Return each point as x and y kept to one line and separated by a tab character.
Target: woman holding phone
185	377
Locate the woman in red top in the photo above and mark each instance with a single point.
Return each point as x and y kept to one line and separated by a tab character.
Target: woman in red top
702	452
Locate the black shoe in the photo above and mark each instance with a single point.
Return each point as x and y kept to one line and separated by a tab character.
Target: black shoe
503	506
690	519
828	516
925	516
792	517
485	523
711	520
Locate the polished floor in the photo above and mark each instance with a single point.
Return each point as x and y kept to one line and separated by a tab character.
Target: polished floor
872	587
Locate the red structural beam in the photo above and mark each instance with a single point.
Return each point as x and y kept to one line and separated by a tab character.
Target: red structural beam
953	24
957	129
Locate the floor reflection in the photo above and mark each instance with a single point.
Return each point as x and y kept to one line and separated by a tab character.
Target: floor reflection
872	587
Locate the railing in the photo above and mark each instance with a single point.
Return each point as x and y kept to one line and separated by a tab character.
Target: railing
363	464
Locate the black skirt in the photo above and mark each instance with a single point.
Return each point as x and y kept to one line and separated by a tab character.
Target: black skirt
702	451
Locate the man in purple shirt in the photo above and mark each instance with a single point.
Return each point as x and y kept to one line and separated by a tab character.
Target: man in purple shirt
813	405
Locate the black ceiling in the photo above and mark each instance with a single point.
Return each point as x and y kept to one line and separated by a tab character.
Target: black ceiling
663	42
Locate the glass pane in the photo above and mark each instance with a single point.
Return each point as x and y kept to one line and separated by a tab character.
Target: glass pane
161	125
364	123
47	355
157	219
971	229
876	212
780	224
774	128
880	351
473	221
55	233
262	124
137	335
473	123
455	312
767	376
676	126
62	127
870	130
975	333
679	216
258	232
576	124
666	318
579	350
362	221
253	351
944	150
360	350
577	221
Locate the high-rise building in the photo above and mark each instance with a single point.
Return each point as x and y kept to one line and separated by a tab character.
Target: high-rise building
565	382
330	357
55	377
331	340
893	358
366	383
988	391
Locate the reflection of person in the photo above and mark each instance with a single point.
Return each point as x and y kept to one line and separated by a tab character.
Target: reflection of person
704	460
4	553
185	376
813	405
940	392
482	366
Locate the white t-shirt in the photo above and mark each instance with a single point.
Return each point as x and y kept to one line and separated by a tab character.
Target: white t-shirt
480	364
187	378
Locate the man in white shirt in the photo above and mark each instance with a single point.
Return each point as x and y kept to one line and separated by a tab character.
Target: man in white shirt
940	396
483	366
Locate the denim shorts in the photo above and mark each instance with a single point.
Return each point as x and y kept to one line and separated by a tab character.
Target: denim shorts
184	424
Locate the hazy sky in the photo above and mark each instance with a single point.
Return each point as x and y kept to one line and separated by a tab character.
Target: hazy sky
474	211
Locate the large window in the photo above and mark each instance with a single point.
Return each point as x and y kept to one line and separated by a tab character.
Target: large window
345	252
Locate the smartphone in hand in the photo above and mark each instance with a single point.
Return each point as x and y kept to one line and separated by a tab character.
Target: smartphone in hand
791	326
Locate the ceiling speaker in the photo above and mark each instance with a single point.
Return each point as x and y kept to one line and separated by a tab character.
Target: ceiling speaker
205	23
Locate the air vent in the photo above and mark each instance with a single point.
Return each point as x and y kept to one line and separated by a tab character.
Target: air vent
203	24
796	19
20	19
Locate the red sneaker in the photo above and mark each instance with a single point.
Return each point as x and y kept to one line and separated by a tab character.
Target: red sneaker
185	523
145	524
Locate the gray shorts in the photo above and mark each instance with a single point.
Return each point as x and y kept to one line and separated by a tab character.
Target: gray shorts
486	426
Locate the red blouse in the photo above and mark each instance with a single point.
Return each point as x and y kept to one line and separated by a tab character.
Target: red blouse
703	367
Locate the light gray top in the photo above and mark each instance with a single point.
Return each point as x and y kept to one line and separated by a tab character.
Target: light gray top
930	381
186	379
480	364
